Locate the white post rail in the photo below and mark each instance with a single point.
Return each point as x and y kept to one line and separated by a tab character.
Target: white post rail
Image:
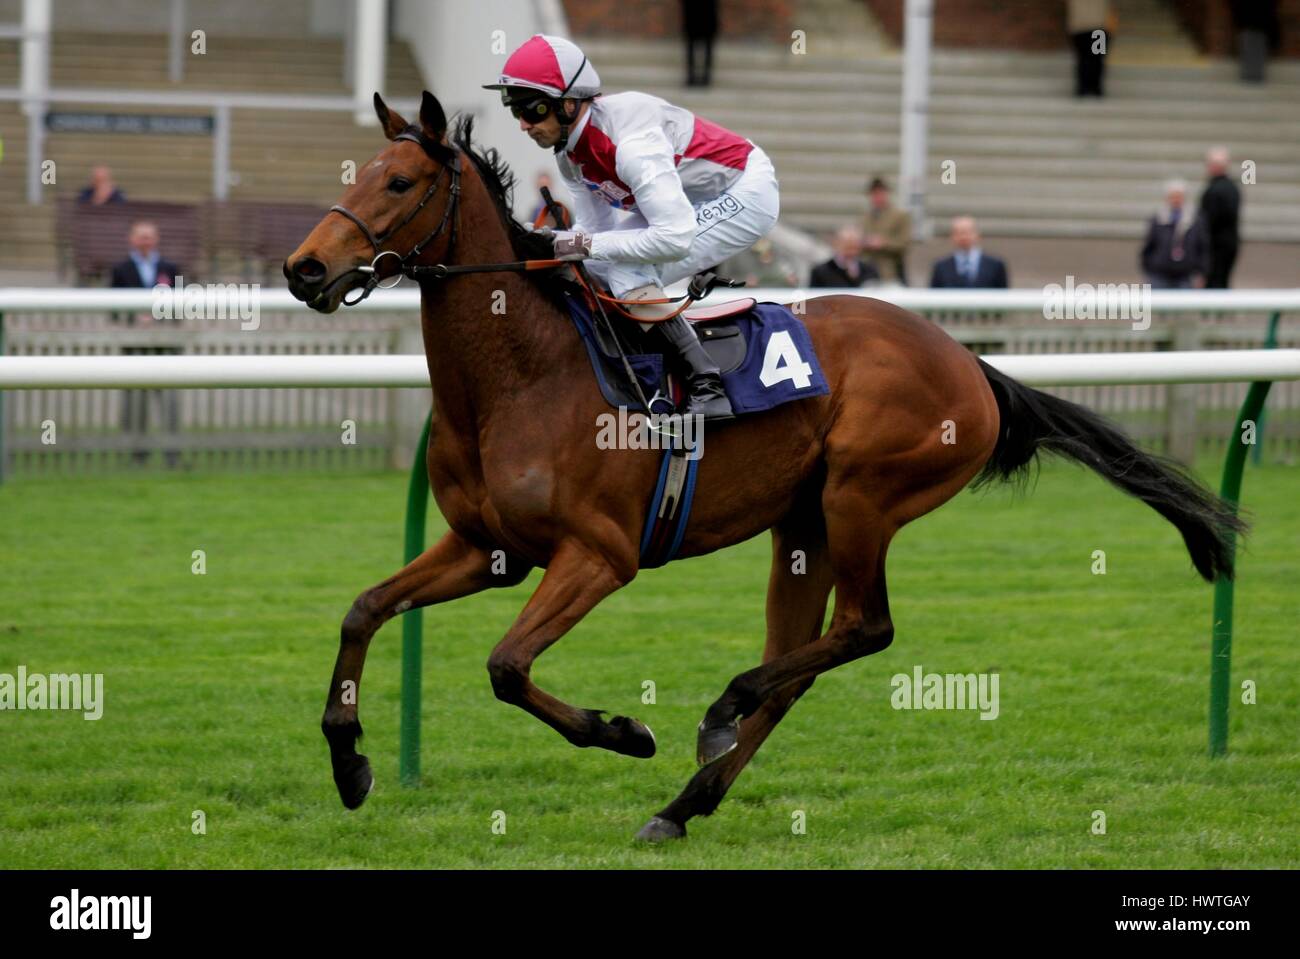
1260	367
406	298
918	19
410	370
35	87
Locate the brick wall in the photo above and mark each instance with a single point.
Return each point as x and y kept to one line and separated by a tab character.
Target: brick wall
1210	24
1040	24
737	19
989	24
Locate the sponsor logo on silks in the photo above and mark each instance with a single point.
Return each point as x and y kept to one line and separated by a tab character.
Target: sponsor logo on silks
610	192
716	211
76	912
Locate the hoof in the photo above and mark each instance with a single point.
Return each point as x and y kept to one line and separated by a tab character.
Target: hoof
661	830
354	780
634	737
712	744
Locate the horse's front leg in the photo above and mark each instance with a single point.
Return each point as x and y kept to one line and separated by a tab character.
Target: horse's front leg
451	568
577	578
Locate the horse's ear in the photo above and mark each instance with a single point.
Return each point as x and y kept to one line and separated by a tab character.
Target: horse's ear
432	118
391	121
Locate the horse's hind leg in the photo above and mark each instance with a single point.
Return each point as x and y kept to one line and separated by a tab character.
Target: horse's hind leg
858	537
798	588
451	568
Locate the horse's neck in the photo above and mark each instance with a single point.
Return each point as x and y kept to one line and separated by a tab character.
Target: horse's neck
488	335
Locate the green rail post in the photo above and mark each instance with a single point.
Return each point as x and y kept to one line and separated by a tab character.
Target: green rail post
4	455
417	502
1270	343
1234	465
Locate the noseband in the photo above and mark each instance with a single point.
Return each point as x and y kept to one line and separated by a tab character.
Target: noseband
405	264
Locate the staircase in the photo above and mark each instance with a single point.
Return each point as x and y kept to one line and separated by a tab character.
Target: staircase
1149	33
840	28
1031	160
284	155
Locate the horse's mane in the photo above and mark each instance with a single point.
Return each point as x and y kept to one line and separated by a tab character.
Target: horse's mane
500	182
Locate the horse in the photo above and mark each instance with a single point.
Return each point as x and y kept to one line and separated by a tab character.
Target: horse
912	417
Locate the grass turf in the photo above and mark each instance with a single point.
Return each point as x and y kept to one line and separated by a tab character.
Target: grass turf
214	686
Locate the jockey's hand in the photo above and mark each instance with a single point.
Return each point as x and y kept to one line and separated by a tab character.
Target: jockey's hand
568	245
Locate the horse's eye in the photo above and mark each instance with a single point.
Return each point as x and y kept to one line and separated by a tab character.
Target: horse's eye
399	184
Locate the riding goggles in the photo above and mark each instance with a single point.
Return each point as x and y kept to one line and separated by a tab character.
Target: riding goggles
531	111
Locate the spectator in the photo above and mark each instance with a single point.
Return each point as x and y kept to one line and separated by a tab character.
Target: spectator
1220	214
888	232
542	214
1084	19
145	267
846	267
700	26
761	265
968	265
1175	252
101	188
1258	33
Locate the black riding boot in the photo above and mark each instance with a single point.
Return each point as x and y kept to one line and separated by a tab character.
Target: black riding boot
707	397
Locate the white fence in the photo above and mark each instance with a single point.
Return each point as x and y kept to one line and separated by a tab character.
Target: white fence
277	394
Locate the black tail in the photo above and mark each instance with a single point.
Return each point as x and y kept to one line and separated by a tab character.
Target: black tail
1033	421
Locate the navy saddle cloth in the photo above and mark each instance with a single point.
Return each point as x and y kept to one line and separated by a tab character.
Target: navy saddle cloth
765	354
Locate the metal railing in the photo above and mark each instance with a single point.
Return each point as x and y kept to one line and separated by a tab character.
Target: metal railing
1260	368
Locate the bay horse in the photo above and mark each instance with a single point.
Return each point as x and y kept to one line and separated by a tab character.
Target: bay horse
912	418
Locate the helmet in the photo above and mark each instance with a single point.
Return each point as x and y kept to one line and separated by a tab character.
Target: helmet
550	65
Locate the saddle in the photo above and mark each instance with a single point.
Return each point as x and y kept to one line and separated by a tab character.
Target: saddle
722	340
762	350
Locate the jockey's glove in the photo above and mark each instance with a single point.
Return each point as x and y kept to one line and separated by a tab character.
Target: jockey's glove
568	244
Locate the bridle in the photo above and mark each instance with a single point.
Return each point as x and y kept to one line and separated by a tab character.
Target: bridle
405	264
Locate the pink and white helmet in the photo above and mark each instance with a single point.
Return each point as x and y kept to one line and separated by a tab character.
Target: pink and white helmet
552	65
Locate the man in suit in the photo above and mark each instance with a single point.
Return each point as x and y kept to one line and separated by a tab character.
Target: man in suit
1220	214
1175	253
968	266
145	267
846	267
888	232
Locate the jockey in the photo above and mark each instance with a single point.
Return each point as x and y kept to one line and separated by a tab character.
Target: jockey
659	194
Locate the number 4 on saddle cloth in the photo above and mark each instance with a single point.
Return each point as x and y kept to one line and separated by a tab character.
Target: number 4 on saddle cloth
766	358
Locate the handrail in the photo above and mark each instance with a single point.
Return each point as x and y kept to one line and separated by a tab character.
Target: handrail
407	299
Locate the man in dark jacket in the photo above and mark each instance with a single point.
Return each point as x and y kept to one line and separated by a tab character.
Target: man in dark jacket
846	267
1220	214
968	266
1175	253
700	25
145	267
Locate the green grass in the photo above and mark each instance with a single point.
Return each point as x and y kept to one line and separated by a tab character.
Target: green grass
215	685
